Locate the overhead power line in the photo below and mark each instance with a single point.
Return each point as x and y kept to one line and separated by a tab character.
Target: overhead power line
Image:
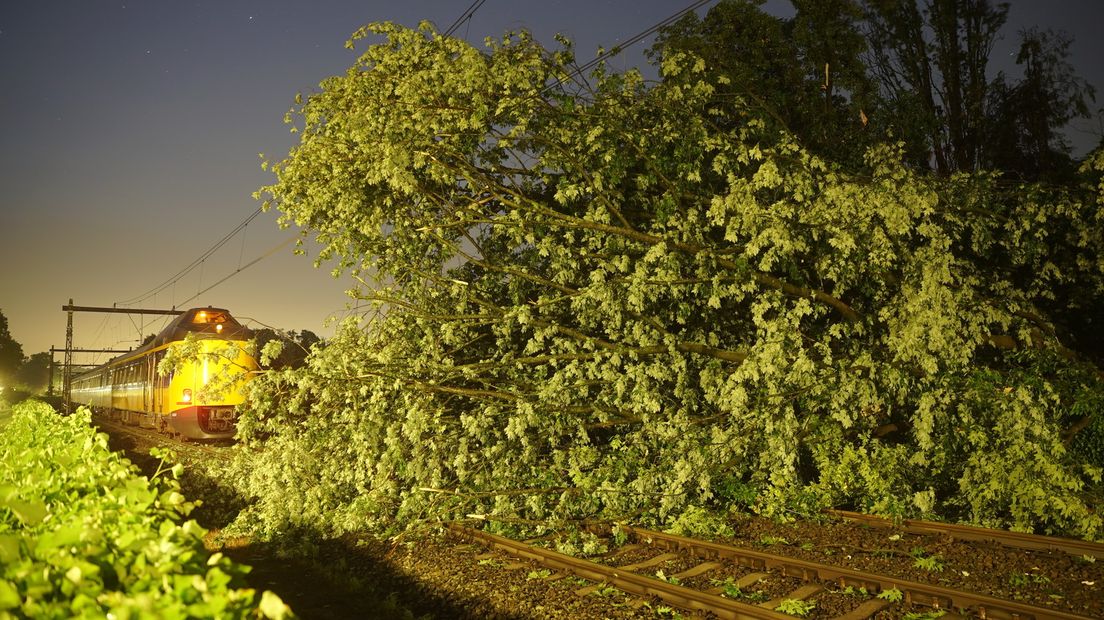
270	252
466	15
191	266
617	49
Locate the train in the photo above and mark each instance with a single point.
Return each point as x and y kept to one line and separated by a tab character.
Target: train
197	401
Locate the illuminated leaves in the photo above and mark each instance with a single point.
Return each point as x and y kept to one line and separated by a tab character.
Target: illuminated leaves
599	298
91	537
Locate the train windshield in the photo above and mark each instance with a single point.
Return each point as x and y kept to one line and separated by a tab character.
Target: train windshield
212	317
215	321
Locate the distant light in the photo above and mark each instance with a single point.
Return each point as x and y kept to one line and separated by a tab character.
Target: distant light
218	328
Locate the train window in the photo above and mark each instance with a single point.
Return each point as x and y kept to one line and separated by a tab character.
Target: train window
219	322
209	317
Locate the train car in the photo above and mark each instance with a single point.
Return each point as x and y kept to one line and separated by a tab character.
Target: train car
198	400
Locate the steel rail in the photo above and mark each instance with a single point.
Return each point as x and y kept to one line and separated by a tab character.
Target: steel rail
152	434
984	606
1018	540
680	596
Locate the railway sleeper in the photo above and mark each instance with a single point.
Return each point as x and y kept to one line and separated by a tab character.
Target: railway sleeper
966	604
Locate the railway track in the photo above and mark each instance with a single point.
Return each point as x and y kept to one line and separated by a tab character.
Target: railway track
747	581
1015	540
797	584
154	437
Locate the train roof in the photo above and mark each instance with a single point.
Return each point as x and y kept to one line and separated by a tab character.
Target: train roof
215	322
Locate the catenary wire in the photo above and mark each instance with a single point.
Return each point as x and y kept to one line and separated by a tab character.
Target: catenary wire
195	263
466	15
270	252
633	40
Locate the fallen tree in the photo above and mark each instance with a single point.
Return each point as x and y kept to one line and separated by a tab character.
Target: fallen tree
605	297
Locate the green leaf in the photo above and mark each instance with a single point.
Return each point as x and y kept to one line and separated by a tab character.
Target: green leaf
30	513
273	607
9	548
9	595
892	595
66	536
75	574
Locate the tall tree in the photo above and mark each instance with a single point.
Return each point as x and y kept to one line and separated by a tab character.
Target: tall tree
1027	116
34	374
931	62
804	74
844	74
11	352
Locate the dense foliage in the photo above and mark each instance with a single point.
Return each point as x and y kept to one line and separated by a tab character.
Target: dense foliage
840	74
83	535
34	373
11	354
611	298
293	346
30	374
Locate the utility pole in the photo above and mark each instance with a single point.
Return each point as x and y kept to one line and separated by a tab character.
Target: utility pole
67	380
65	367
67	383
50	383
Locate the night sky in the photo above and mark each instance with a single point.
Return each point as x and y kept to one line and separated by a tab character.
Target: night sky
132	131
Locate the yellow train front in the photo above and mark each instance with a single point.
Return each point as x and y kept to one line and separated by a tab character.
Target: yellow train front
196	401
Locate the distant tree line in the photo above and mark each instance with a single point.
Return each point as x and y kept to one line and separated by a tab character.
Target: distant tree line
294	346
30	373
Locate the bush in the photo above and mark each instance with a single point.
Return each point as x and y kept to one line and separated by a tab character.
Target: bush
83	534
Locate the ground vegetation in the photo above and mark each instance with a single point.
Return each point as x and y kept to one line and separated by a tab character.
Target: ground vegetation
83	535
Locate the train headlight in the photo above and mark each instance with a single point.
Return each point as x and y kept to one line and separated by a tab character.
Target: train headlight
186	396
218	328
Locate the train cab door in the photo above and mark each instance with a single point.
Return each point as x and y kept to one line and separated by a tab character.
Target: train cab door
159	386
149	389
